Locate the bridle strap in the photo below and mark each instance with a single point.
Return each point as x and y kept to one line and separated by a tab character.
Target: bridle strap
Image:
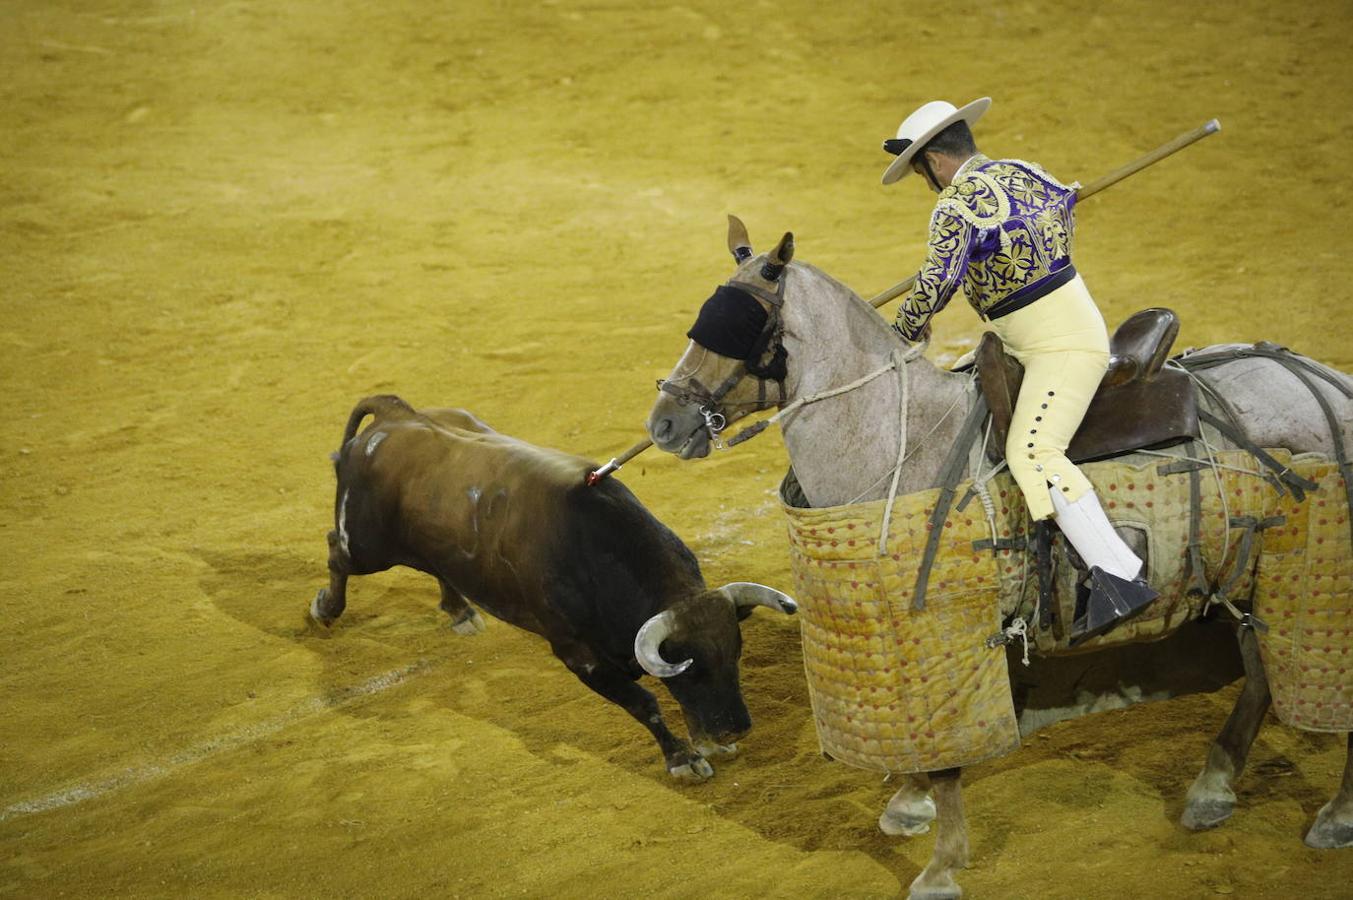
698	393
776	299
771	349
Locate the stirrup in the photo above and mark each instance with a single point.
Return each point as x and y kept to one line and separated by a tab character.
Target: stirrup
1110	600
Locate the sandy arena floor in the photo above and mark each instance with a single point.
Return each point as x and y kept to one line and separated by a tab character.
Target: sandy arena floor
223	223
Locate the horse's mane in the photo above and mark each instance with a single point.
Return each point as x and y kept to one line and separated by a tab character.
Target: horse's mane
839	289
813	270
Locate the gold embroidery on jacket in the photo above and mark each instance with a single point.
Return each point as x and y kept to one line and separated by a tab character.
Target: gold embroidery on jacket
1028	210
950	239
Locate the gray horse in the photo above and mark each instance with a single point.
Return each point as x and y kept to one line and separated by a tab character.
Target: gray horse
844	449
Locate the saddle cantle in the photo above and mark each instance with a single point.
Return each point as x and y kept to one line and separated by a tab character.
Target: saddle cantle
1139	404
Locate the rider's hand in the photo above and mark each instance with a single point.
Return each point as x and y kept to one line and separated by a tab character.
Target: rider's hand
922	338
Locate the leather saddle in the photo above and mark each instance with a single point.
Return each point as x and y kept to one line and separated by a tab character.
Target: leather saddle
1139	404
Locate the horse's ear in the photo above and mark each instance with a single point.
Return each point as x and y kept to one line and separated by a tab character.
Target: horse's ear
778	258
739	244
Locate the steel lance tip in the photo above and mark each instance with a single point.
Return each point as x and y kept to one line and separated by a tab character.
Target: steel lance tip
594	477
597	474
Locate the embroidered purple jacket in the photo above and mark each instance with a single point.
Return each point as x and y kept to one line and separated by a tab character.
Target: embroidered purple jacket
1002	230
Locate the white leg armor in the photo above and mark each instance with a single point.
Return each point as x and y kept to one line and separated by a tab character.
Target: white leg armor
1090	532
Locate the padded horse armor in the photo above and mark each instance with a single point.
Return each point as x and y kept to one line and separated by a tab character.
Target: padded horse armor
1139	404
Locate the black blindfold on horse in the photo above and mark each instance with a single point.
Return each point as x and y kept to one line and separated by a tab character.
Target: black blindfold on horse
733	323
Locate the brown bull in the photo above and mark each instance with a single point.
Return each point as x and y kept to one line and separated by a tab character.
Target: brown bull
513	528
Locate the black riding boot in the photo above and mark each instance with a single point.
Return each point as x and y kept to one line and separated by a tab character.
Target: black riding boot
1106	601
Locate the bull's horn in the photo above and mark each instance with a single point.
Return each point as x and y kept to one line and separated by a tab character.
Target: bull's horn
749	593
647	642
739	244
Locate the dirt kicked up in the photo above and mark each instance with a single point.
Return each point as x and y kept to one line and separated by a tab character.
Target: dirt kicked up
223	223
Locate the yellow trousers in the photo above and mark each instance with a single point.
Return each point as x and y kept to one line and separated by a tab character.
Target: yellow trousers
1064	347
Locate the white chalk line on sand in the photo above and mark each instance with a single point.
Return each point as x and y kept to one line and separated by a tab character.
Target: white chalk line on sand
89	790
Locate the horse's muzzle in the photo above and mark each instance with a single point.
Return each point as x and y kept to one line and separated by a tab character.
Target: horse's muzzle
697	446
680	430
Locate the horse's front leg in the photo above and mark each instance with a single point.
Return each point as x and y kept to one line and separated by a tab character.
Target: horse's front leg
911	810
936	881
1333	826
1210	799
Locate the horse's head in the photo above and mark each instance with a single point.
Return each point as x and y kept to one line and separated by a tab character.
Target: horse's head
735	362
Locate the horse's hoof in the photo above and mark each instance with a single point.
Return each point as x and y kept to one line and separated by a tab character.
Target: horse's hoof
468	624
908	817
1204	813
315	614
694	772
902	826
945	889
1329	833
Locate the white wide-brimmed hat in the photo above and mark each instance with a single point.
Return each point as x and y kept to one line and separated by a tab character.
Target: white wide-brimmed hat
921	126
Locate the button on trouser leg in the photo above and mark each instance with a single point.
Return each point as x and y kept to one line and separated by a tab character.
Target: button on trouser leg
1056	391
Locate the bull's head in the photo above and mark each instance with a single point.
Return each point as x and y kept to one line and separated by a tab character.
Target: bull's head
702	631
724	372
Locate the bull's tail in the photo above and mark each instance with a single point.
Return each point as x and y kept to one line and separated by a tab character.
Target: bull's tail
380	405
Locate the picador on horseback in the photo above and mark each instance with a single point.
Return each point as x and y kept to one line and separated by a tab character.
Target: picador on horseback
917	558
1002	230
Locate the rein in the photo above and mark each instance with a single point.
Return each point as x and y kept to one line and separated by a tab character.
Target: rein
898	362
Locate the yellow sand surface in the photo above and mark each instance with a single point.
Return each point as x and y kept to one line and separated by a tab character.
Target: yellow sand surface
222	223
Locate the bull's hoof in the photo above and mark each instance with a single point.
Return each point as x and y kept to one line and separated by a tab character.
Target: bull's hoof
470	622
1329	832
942	888
1202	813
694	772
316	605
709	748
